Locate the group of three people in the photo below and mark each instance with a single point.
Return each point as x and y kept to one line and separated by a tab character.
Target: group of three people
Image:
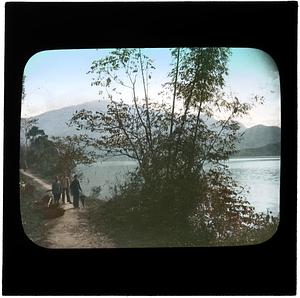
61	189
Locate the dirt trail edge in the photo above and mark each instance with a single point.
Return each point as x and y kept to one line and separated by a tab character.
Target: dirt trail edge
71	230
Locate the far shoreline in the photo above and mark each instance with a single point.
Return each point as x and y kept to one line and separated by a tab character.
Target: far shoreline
255	157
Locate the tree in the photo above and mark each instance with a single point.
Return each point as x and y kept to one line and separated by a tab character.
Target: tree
23	88
70	153
40	152
56	155
26	126
43	155
181	180
33	131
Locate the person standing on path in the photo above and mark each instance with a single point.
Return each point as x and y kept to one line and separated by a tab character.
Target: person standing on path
56	190
75	191
65	181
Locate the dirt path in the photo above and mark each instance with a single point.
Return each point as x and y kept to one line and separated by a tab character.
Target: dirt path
72	229
42	183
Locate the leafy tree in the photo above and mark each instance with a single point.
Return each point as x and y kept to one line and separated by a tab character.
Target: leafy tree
41	153
34	132
26	126
56	155
71	152
44	157
182	183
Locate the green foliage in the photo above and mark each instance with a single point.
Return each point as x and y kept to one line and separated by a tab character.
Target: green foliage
33	133
53	156
182	189
42	157
71	151
40	153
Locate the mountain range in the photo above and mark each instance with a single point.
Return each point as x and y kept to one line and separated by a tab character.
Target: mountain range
259	140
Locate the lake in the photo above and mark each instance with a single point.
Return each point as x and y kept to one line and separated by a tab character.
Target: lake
259	175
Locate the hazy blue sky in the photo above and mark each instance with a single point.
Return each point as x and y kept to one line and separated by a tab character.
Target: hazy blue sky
59	78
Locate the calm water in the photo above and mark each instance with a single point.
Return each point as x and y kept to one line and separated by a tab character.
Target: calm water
261	176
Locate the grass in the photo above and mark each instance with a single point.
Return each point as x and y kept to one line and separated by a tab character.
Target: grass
128	231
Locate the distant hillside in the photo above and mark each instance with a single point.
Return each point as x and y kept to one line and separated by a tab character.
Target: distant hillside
54	124
268	150
259	136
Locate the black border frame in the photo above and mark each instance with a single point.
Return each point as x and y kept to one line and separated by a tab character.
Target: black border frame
265	269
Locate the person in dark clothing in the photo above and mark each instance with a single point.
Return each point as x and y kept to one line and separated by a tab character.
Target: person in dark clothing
75	191
56	190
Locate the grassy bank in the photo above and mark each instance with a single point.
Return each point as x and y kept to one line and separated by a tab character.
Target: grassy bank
128	231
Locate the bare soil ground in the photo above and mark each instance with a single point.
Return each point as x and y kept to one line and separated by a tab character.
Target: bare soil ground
72	229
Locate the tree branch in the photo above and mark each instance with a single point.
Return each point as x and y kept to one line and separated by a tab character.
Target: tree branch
146	98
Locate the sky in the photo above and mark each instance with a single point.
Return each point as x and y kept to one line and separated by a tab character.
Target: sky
58	78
